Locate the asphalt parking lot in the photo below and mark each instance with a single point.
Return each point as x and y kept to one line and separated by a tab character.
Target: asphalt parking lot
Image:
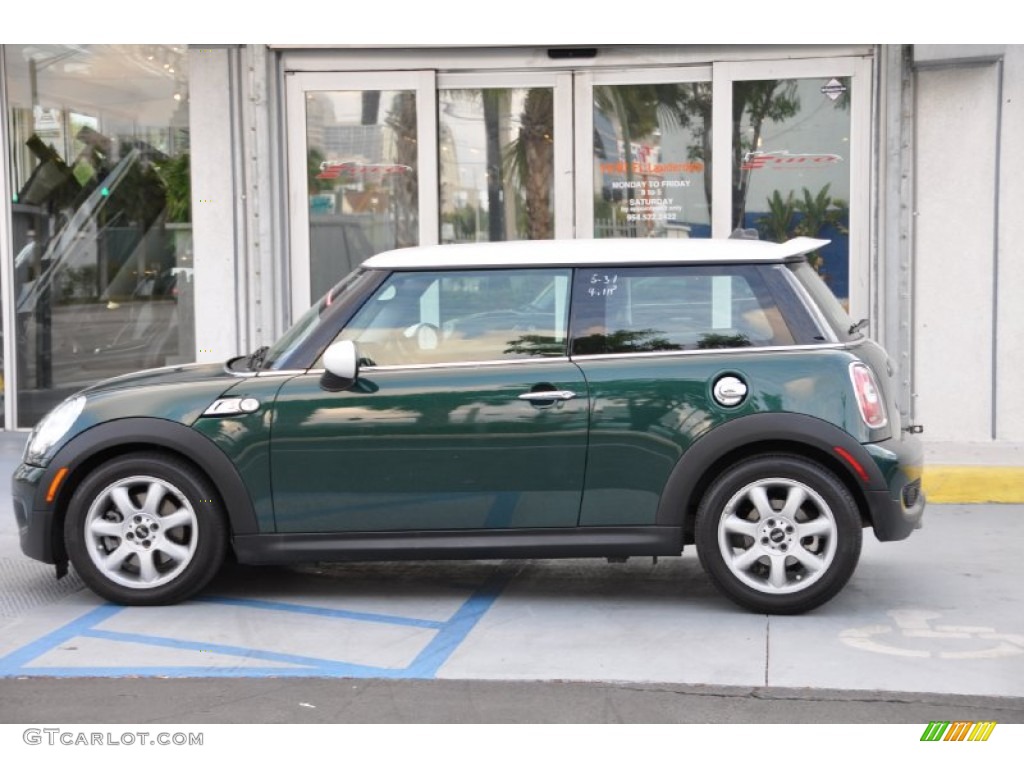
940	613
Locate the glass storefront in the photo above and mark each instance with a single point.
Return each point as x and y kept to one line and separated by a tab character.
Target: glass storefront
664	152
100	215
652	144
496	164
362	174
791	166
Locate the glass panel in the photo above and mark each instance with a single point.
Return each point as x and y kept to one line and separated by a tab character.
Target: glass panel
363	183
675	308
791	166
496	164
456	317
835	314
652	144
101	214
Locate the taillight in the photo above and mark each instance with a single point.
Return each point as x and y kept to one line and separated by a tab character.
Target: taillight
869	396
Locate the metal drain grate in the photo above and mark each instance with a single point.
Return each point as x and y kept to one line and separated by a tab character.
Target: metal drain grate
24	584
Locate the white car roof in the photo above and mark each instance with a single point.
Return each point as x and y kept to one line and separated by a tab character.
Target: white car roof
525	253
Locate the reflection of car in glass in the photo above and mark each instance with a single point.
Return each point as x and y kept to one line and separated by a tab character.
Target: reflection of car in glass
603	398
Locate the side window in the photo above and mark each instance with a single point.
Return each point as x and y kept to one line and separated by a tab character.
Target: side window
465	316
652	309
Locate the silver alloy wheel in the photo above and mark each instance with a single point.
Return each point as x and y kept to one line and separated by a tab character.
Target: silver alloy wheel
141	532
777	535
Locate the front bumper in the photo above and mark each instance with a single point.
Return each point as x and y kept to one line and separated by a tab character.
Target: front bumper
35	526
896	511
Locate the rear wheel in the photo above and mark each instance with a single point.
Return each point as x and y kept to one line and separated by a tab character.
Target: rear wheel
779	534
145	529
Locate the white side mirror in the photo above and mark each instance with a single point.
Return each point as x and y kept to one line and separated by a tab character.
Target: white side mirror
342	360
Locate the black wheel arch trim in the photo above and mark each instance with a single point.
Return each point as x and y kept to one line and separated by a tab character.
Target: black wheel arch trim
690	477
110	438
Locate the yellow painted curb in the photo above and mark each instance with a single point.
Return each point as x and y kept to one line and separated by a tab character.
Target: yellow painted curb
973	485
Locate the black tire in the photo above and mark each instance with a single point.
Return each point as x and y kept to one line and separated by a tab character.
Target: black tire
134	553
778	534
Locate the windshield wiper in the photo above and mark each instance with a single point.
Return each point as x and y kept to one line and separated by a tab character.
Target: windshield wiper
863	323
255	361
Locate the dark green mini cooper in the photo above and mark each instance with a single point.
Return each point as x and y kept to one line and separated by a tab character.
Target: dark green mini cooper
601	398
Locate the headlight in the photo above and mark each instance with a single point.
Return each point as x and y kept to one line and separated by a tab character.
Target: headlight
52	428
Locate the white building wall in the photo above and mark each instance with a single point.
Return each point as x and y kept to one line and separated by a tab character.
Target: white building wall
1010	313
215	201
956	119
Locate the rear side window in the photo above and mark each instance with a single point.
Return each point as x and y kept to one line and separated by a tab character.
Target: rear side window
652	309
826	301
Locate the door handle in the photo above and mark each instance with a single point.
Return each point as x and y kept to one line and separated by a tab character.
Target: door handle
551	394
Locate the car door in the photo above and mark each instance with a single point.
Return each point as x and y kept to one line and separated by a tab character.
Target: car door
652	341
467	413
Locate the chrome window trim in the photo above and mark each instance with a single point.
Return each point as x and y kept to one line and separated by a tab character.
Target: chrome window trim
608	356
726	351
273	373
472	364
282	372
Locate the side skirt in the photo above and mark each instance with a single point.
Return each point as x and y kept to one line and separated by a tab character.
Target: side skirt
526	543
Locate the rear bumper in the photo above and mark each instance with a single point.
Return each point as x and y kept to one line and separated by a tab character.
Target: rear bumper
898	509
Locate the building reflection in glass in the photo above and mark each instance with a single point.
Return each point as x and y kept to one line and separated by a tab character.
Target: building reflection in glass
100	214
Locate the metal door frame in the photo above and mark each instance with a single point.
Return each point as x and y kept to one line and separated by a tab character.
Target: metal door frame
297	85
859	71
561	84
583	105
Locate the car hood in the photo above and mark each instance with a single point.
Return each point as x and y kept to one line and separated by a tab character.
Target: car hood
178	393
171	375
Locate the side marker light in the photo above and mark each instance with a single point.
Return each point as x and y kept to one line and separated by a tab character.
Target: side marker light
51	492
857	467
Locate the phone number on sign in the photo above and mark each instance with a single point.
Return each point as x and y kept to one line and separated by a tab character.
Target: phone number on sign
659	216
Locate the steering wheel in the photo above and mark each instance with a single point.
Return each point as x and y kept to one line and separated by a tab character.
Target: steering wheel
416	339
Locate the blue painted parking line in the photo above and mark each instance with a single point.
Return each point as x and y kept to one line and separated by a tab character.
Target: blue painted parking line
432	658
448	636
13	662
333	613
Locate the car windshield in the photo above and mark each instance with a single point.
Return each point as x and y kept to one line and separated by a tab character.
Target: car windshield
278	354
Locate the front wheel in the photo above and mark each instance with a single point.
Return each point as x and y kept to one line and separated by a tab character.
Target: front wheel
778	534
145	529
